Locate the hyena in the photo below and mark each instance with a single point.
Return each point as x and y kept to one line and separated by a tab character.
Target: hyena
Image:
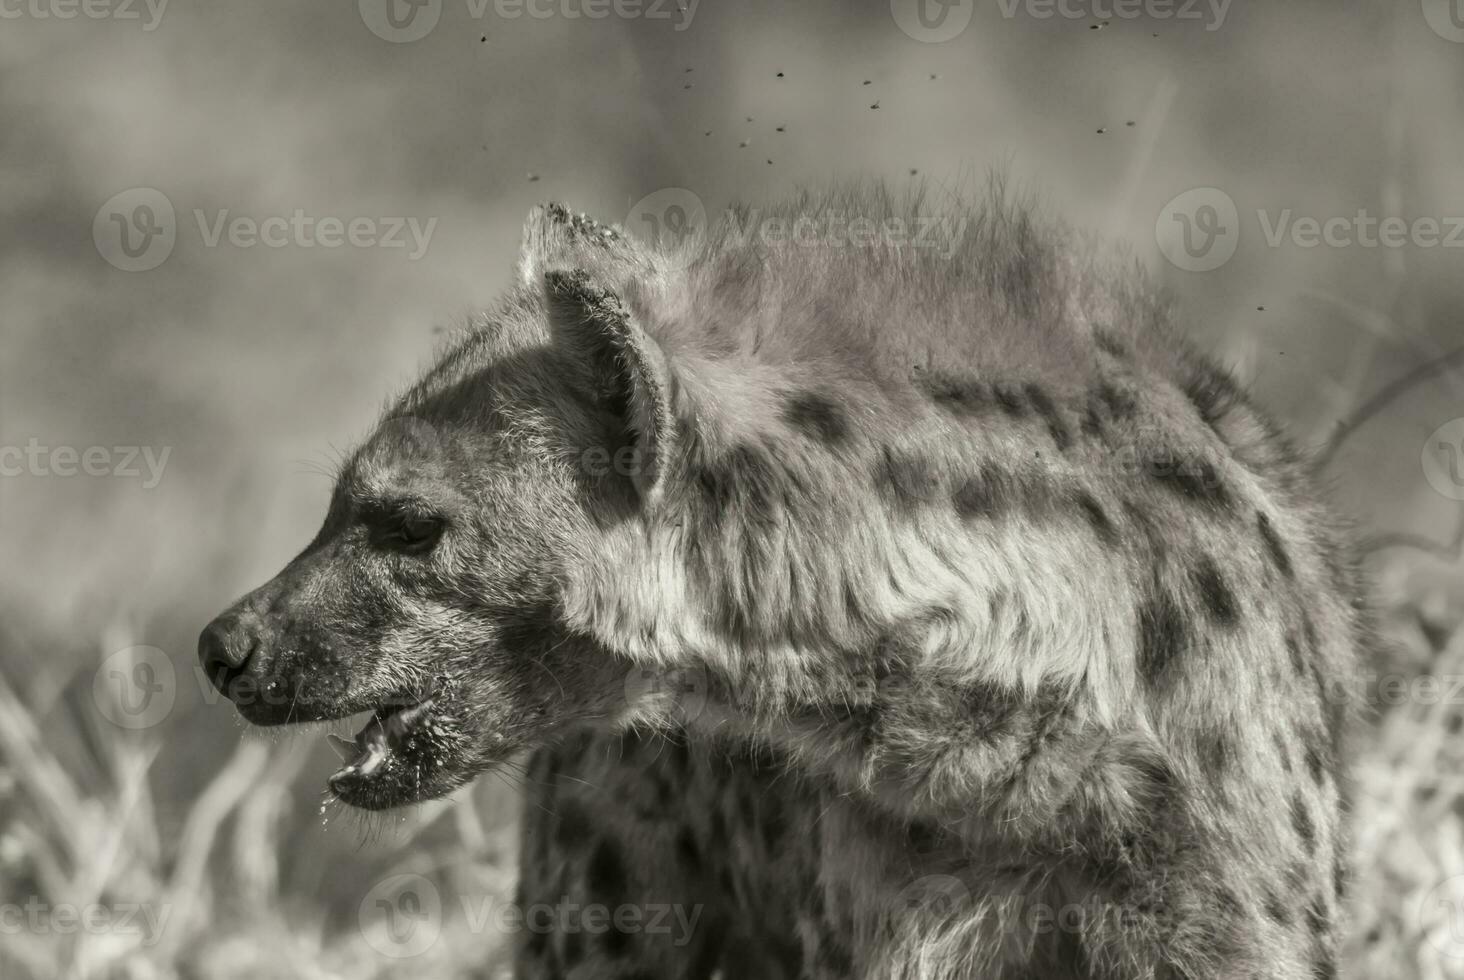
881	612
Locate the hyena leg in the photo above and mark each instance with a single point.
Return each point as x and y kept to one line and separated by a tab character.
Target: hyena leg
612	881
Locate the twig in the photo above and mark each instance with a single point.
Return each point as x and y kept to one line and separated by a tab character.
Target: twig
1389	394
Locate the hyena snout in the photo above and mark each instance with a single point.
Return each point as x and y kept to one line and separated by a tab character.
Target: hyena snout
226	646
276	664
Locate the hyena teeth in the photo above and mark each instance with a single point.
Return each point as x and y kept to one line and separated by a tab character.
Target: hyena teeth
343	747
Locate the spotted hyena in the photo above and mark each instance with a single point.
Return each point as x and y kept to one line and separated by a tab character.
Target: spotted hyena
869	610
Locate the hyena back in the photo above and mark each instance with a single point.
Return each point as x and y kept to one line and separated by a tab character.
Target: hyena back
905	612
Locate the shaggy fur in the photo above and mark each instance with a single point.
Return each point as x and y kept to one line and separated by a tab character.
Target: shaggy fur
991	630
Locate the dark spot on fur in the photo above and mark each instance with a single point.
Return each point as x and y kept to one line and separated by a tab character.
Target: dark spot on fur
1010	400
1317	919
605	873
537	941
1109	342
1302	821
1293	651
817	417
1219	600
979	496
573	828
1196	480
574	948
955	395
719	841
1097	518
1274	547
686	850
742	484
905	479
616	942
1163	633
1092	421
774	824
1043	404
1217	752
1326	968
924	836
834	956
1339	877
1213	392
990	709
1121	404
1314	764
1309	633
1284	751
1230	906
1276	909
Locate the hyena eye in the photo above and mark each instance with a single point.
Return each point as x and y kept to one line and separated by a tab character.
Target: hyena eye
412	535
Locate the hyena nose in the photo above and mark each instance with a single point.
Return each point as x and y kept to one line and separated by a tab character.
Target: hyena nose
224	649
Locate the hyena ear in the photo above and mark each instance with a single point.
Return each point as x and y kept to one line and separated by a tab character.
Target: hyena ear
557	238
629	371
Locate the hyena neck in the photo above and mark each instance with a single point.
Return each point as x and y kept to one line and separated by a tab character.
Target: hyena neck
803	584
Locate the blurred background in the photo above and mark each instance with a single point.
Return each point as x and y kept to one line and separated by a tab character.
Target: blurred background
175	388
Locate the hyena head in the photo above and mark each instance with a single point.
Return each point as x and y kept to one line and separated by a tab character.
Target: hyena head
432	596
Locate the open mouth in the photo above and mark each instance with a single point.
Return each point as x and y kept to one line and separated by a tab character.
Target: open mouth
396	743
